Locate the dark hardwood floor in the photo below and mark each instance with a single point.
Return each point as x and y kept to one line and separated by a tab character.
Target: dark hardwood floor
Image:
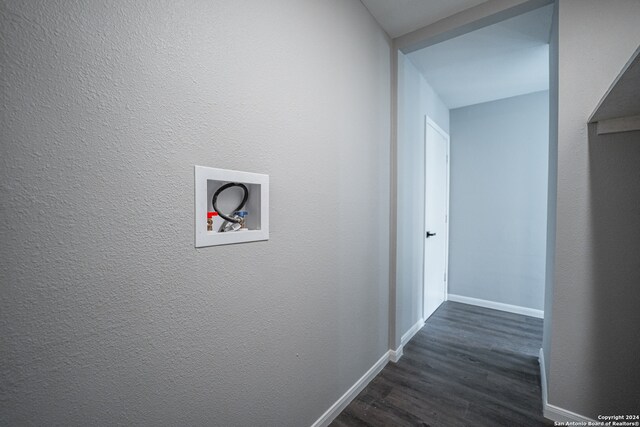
468	366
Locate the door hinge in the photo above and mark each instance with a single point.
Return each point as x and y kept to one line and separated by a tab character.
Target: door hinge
445	276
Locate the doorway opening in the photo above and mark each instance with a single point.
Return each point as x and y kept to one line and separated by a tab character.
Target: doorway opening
488	91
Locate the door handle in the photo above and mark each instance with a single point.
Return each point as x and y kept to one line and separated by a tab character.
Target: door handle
429	234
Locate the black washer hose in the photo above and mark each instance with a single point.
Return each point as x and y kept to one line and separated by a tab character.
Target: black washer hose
220	190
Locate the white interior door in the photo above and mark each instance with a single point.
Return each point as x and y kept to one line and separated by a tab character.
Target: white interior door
436	217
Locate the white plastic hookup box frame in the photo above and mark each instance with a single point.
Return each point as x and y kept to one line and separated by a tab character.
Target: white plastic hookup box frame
207	180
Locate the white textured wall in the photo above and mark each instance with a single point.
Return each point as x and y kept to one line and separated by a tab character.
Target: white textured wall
498	200
594	345
416	99
109	315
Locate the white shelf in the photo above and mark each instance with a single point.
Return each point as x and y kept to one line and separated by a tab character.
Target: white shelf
619	109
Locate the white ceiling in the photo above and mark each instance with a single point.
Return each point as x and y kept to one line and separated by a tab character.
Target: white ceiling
398	17
499	61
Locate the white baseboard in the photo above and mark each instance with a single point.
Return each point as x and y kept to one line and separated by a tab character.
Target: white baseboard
335	409
395	355
411	332
526	311
543	381
391	355
553	412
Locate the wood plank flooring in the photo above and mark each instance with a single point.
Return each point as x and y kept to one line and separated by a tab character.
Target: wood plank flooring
468	366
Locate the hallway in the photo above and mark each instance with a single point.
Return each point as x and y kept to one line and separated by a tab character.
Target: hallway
468	366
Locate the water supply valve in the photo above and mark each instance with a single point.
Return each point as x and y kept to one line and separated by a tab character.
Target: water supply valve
239	225
242	215
210	216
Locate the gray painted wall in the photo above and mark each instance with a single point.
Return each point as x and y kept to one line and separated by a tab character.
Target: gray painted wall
594	342
498	200
415	99
109	315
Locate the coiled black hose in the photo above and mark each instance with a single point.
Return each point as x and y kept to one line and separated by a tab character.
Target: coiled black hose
214	201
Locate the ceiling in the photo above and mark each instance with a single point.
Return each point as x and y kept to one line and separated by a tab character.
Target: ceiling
400	17
499	61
